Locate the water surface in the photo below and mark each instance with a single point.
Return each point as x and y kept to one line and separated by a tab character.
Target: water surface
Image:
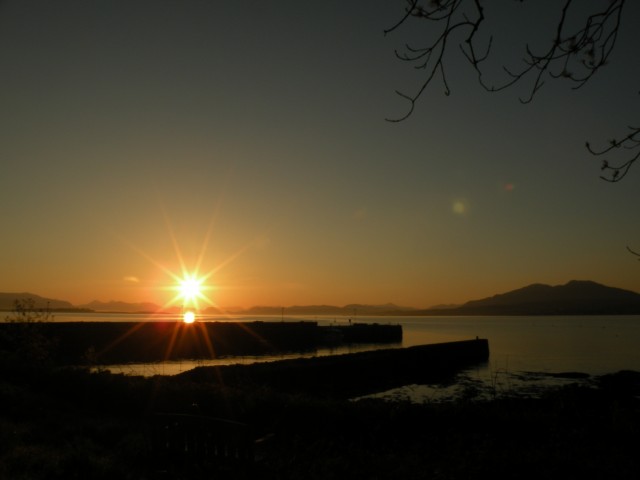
523	349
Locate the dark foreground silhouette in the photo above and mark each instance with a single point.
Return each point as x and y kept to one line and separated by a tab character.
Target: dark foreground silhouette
69	423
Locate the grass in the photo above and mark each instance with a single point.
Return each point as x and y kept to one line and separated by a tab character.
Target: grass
74	424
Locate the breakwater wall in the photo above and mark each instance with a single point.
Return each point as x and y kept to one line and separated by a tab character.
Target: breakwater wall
354	374
361	333
122	342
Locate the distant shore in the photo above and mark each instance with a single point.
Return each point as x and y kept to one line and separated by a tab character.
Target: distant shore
576	297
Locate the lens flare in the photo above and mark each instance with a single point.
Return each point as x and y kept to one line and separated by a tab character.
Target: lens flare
189	317
191	293
190	288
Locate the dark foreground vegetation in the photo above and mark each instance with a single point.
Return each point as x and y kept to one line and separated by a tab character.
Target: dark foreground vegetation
70	423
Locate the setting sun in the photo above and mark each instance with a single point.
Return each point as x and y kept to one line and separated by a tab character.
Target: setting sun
190	288
190	294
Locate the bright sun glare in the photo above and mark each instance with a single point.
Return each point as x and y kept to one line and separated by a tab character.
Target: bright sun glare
190	288
190	292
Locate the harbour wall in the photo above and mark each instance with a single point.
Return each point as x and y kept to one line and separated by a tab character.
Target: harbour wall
354	374
125	342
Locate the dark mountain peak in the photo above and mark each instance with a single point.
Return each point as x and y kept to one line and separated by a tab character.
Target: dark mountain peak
590	286
8	300
520	295
582	283
574	297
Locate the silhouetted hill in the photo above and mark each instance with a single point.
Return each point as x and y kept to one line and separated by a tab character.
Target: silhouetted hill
347	310
8	300
445	306
573	298
121	307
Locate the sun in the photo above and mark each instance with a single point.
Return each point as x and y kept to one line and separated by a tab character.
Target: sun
190	293
190	288
191	283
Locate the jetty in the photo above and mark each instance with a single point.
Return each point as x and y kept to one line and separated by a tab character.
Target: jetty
150	341
354	374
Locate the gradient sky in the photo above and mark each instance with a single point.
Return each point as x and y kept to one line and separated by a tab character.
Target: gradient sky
248	140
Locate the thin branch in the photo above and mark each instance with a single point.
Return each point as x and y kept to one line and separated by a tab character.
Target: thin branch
633	252
432	56
412	6
614	171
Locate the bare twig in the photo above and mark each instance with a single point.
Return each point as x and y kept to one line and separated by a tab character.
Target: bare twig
634	252
432	56
614	172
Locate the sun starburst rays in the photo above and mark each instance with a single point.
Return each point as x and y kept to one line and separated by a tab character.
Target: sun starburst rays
190	285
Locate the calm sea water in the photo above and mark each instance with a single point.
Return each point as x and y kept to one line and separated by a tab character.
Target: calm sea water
524	349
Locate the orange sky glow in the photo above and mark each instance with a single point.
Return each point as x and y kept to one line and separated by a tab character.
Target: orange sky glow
240	144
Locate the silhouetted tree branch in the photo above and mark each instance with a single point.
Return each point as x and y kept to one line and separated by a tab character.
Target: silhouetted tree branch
616	172
579	46
634	253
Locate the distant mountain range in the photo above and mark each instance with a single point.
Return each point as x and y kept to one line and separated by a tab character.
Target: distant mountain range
573	298
347	310
121	307
8	301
